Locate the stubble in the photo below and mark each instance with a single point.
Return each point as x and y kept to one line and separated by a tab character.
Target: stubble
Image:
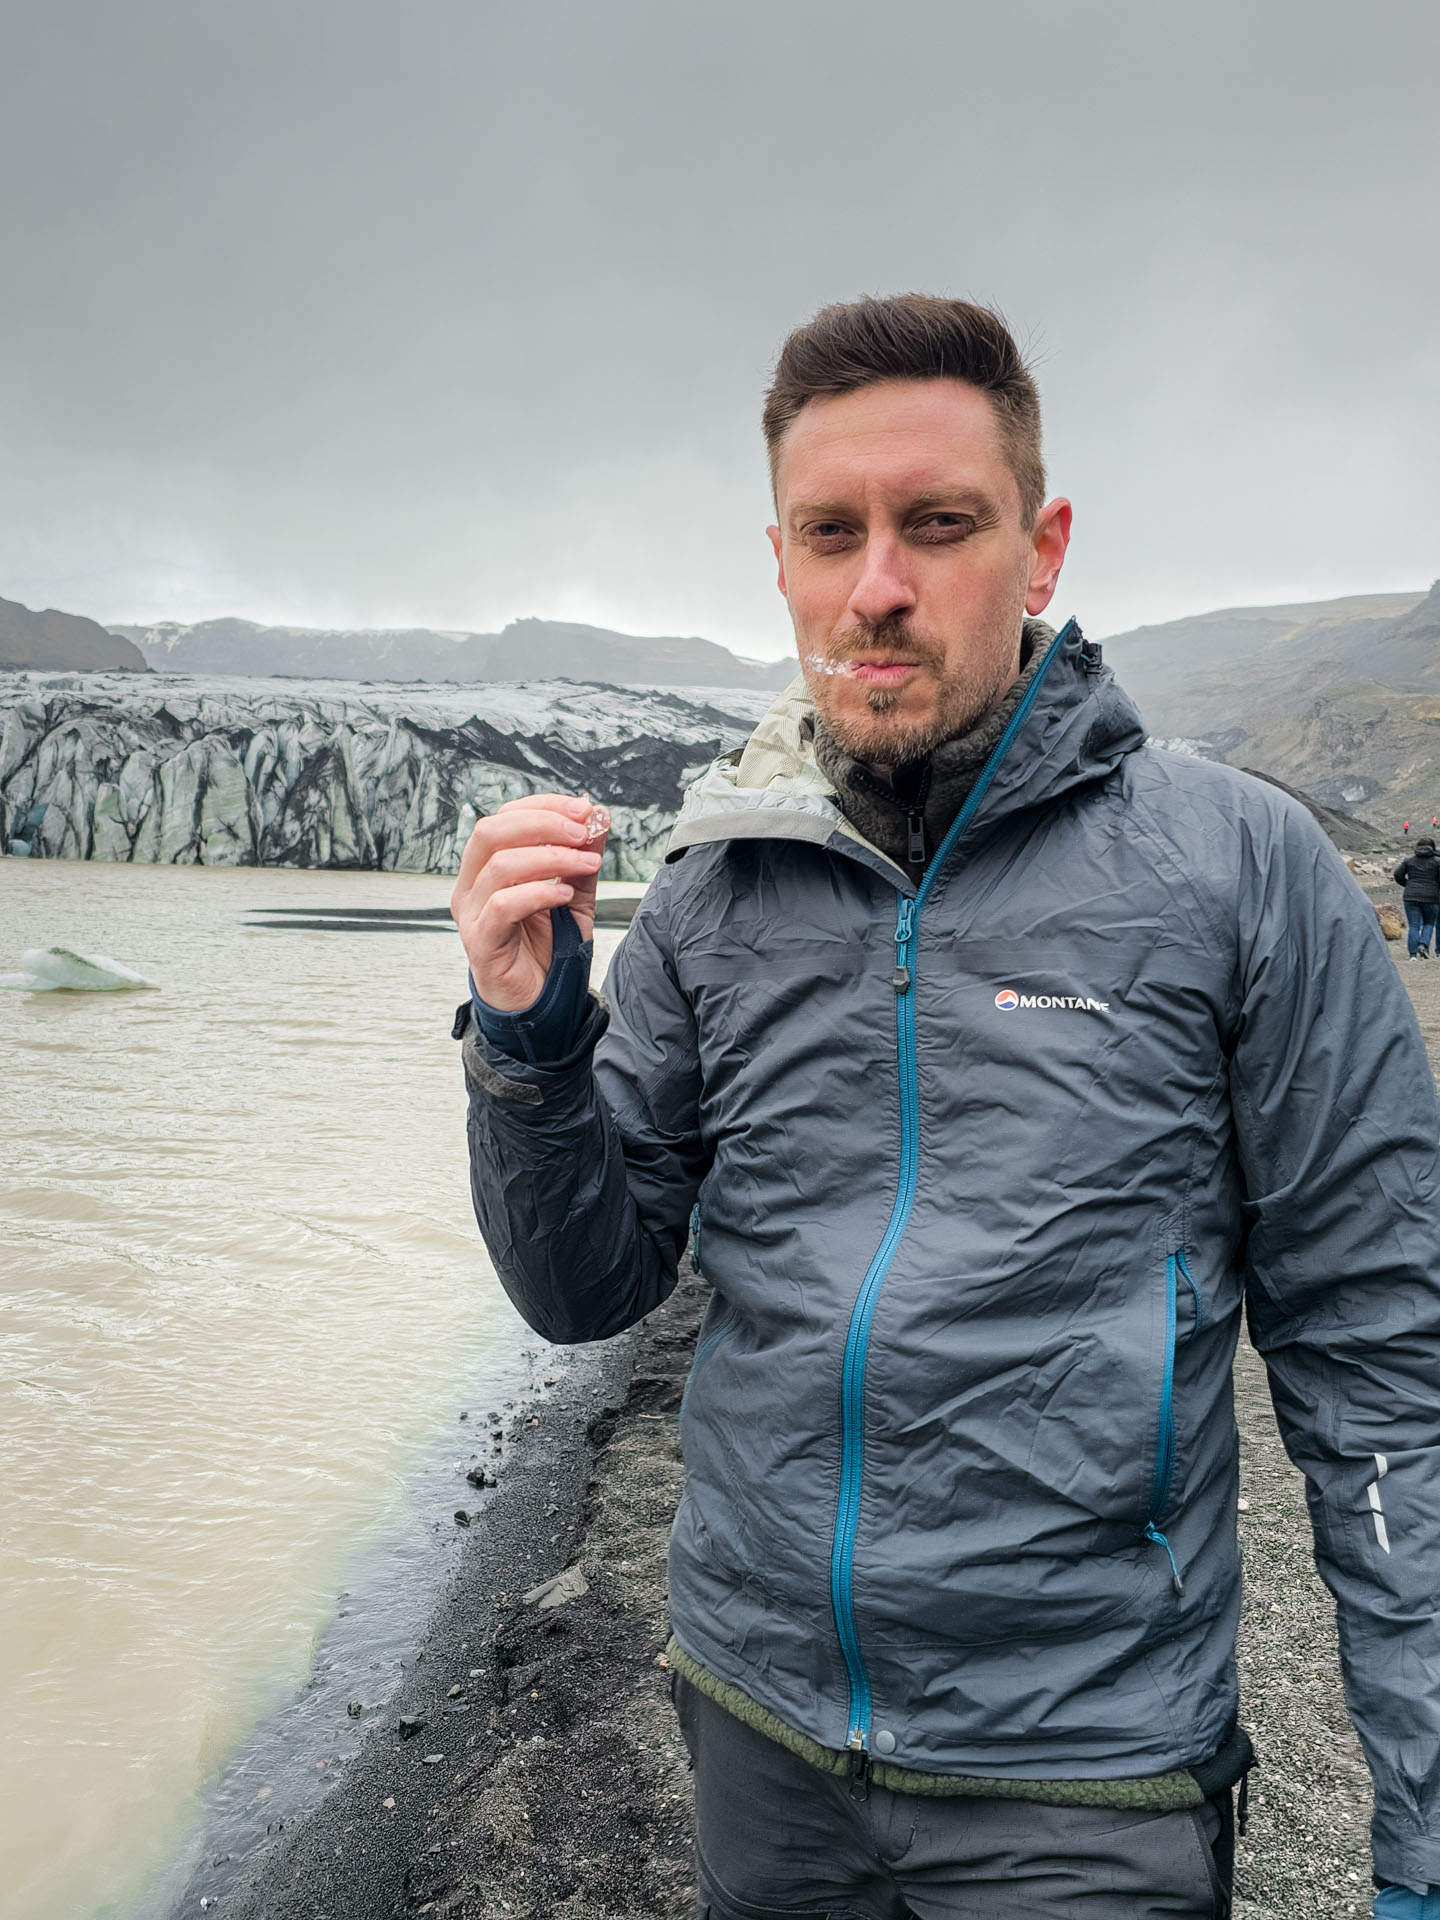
884	735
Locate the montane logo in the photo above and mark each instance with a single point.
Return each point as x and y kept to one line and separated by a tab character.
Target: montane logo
1008	1001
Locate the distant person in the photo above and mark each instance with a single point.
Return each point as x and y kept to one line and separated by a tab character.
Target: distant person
1010	1062
1419	875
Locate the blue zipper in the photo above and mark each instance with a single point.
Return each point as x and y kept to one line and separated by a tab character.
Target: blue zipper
857	1338
1165	1437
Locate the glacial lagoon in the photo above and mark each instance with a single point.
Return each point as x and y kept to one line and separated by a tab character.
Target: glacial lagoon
244	1305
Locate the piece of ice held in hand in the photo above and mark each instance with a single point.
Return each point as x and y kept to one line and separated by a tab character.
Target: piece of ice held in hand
597	823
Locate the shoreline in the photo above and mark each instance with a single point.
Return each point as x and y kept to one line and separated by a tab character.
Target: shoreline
562	1790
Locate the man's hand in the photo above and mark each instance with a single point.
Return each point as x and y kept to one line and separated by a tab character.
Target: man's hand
531	855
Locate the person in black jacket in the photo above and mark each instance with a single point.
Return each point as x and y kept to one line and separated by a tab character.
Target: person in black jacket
1419	875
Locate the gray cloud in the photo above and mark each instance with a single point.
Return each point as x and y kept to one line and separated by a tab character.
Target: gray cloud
347	311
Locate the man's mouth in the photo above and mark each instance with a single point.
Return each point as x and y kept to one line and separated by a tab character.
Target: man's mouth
873	672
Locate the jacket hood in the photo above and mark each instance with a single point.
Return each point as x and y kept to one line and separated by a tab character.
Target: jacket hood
1075	726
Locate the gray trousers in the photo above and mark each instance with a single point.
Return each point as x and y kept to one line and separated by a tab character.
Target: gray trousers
777	1839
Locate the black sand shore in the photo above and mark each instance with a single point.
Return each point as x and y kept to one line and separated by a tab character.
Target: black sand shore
561	1792
546	1776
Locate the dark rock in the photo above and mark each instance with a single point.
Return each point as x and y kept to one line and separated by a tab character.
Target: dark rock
63	641
407	1728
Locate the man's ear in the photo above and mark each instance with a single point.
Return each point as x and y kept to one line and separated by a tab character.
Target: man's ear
774	533
1048	541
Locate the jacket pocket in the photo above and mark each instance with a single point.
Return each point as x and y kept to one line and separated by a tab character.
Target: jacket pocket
1189	1301
724	1324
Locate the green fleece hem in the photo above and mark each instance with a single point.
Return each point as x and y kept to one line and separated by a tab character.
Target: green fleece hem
1155	1793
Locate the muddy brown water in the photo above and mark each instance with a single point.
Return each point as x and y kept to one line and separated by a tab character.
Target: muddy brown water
242	1302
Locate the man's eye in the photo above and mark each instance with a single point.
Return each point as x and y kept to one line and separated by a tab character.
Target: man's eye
828	533
941	527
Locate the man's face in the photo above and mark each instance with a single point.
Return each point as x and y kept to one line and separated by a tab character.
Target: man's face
905	563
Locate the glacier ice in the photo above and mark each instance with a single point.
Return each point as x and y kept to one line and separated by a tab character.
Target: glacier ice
230	771
60	970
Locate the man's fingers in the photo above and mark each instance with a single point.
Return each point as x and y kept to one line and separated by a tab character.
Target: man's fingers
507	909
515	866
575	805
509	945
530	855
537	820
521	826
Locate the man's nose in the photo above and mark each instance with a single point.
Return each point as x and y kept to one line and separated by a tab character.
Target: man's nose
883	586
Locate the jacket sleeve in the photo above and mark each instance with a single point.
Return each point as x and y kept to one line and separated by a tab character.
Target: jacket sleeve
1402	873
1337	1130
584	1170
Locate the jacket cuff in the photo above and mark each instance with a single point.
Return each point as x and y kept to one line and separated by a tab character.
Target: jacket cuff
545	1031
526	1083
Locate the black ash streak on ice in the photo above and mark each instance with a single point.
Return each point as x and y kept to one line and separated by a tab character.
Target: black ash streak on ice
235	772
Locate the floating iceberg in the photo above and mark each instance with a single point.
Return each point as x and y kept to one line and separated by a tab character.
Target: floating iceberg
58	970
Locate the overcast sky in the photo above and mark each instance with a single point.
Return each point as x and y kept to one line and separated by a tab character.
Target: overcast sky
441	312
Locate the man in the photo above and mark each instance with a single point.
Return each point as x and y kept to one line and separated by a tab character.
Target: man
1005	1058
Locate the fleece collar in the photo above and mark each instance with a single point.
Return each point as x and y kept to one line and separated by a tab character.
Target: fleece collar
1077	729
931	790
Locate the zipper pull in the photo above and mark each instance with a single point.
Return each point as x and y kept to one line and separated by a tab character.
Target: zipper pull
904	926
1154	1535
915	820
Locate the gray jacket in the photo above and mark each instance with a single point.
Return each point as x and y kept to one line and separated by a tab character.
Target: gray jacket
984	1174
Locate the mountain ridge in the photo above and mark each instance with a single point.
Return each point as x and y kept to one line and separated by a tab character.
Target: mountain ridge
67	641
526	649
1340	698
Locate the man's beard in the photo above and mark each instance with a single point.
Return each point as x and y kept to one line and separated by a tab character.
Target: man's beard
965	692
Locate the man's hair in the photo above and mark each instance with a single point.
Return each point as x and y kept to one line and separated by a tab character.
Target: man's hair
913	336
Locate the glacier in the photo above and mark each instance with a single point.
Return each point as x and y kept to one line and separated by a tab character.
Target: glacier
226	770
